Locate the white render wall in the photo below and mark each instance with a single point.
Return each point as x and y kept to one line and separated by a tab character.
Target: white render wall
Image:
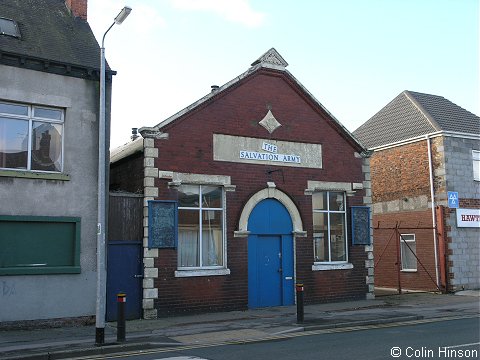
30	297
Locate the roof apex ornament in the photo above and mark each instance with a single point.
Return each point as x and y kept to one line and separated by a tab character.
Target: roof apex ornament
269	122
271	59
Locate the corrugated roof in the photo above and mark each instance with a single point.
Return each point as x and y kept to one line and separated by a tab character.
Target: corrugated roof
50	32
412	114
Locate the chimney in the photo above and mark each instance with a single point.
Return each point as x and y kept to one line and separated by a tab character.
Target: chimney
214	88
78	8
134	134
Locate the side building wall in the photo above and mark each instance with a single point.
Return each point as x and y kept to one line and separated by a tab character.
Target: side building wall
71	194
454	164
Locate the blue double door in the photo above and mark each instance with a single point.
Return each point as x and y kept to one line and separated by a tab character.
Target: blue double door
270	256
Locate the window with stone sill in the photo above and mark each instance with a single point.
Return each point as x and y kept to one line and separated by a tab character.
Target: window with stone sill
31	137
201	227
329	227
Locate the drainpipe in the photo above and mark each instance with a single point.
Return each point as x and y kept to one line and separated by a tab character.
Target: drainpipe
432	196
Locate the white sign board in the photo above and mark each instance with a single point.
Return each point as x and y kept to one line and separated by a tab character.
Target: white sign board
468	218
260	151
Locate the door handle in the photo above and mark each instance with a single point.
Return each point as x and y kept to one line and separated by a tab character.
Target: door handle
138	276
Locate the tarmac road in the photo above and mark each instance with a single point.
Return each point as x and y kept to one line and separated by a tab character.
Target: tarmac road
427	339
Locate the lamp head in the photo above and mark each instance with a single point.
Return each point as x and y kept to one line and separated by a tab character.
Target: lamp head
122	15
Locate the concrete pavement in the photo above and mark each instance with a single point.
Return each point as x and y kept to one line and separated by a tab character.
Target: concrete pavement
66	342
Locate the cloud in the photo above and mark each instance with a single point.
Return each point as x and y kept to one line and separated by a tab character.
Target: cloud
237	11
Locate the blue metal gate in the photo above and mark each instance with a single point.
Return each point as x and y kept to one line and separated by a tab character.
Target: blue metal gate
124	274
270	255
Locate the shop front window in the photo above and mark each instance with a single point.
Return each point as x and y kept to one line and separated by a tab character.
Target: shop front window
200	226
329	227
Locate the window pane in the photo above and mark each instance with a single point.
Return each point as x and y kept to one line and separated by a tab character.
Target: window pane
408	249
47	146
188	196
212	238
320	234
319	201
47	113
476	165
9	27
212	197
336	201
13	109
188	238
337	237
13	143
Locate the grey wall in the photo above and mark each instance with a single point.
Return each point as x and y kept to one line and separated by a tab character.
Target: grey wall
465	241
29	297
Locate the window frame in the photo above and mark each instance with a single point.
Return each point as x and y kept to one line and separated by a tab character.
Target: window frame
476	164
328	212
44	269
404	248
31	120
209	270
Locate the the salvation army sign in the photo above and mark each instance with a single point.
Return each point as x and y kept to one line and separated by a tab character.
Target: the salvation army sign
468	218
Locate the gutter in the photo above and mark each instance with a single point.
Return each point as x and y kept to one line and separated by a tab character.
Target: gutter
455	134
434	220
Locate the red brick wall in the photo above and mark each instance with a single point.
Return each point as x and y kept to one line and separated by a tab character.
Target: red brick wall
189	150
400	172
78	8
385	250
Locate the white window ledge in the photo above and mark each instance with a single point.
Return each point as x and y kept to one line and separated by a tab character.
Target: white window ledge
409	270
322	267
199	272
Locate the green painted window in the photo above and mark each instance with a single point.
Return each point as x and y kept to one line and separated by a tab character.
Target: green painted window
39	245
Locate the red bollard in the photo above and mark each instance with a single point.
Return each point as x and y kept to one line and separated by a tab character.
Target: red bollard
121	301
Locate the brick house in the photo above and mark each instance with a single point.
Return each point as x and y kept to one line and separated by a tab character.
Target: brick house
425	176
49	72
252	188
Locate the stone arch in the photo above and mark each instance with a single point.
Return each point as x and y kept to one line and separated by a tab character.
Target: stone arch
269	193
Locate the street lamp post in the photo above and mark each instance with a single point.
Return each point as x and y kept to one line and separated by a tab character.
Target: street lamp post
102	163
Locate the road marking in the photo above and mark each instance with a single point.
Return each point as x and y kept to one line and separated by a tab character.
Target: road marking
462	345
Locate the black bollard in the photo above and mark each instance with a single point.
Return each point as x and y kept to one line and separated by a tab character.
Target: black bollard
121	302
300	313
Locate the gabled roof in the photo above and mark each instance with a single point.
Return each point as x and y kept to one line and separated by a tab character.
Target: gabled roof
269	60
50	36
412	114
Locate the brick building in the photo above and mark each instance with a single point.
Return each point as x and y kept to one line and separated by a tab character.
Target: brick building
425	176
248	191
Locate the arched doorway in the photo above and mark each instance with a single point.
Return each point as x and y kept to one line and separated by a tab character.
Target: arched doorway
270	255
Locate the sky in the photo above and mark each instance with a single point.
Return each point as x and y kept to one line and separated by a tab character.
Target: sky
354	56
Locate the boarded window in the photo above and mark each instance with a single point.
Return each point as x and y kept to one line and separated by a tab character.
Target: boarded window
39	245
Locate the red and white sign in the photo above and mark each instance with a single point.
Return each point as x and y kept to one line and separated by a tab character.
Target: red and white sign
468	218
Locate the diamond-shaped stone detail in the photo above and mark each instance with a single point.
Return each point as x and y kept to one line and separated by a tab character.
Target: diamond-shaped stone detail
269	122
